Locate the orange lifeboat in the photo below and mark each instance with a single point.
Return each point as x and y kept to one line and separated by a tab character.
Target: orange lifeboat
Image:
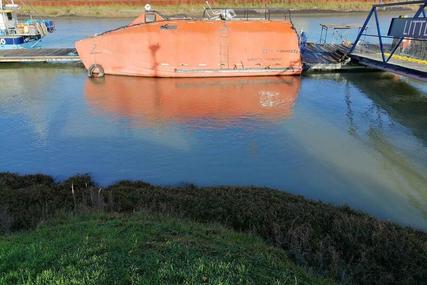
150	101
222	43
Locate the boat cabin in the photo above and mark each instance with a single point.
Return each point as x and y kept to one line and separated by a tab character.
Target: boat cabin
21	34
8	21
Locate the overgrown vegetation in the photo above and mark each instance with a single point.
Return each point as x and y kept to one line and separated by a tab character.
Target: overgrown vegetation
123	10
142	249
349	246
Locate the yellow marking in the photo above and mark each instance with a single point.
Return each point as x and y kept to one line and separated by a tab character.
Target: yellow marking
407	58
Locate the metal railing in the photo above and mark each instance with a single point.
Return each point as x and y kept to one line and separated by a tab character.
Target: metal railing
389	45
226	13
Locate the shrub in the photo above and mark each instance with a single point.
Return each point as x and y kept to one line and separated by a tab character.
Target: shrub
348	245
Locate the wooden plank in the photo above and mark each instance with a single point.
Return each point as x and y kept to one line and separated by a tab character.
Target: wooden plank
327	57
39	55
39	59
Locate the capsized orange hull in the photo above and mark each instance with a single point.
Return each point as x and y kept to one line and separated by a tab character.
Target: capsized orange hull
196	48
150	101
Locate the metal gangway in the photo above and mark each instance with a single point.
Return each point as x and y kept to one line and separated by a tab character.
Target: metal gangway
403	49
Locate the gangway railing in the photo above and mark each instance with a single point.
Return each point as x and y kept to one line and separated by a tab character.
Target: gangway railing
340	32
401	30
228	13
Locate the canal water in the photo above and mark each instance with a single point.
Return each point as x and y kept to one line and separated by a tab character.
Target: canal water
355	138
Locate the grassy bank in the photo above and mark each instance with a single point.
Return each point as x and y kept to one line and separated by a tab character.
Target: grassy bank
142	249
337	242
122	10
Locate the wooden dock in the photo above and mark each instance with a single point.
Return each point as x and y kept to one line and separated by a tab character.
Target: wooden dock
327	58
59	55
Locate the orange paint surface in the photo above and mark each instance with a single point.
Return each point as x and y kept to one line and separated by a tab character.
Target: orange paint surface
196	48
151	101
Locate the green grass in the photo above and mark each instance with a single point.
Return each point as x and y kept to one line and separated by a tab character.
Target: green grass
343	244
142	249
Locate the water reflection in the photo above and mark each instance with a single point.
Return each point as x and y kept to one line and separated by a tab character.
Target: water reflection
394	101
148	101
31	93
379	156
403	102
357	139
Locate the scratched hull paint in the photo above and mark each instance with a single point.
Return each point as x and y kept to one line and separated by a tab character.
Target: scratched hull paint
196	48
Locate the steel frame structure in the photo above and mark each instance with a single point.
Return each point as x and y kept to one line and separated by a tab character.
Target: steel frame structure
421	13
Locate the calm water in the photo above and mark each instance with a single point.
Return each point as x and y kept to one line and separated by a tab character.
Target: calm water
358	139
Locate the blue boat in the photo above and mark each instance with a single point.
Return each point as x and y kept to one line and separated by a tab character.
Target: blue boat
16	34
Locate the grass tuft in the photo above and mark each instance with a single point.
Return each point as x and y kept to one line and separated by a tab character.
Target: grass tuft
142	249
347	245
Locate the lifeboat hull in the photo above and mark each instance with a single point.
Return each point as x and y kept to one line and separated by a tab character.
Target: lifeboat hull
202	48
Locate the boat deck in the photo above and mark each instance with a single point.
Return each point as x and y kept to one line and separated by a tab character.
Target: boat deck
39	55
